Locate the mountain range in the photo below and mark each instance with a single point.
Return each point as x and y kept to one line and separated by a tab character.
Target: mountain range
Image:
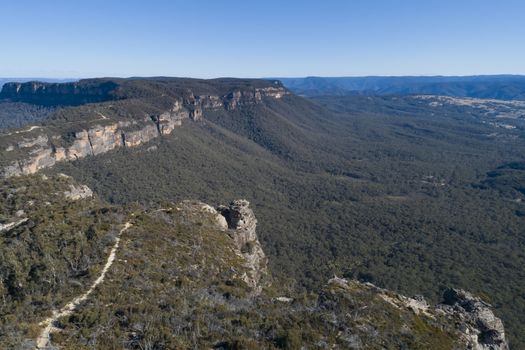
24	80
506	87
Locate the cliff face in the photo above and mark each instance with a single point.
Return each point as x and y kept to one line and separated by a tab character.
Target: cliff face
44	151
28	151
242	224
238	98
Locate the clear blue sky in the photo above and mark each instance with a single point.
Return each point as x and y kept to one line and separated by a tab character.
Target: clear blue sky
260	38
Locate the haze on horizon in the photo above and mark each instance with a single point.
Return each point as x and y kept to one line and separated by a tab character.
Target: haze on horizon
205	39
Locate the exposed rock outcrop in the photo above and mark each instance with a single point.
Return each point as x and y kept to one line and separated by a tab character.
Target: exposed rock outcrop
41	141
220	220
482	329
242	224
78	192
470	317
11	225
245	97
209	101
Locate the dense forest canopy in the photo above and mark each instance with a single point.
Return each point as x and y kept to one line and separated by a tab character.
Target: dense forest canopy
384	189
413	194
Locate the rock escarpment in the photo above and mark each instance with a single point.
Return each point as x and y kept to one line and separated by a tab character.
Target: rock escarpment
482	329
242	224
27	151
43	151
470	317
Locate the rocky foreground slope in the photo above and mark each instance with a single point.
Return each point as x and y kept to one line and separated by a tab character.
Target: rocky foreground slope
188	275
120	113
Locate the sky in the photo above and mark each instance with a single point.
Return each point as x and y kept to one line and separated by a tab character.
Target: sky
260	38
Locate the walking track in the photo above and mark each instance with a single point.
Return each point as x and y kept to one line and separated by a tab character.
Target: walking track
43	340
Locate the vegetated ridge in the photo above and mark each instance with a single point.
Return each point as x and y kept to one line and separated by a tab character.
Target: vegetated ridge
358	186
506	87
155	109
192	276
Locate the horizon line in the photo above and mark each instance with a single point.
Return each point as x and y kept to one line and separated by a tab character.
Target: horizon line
73	78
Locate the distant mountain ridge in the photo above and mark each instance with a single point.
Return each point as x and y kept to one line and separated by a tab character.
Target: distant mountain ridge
504	87
25	80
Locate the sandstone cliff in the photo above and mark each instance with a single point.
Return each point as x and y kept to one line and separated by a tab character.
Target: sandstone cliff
27	151
44	150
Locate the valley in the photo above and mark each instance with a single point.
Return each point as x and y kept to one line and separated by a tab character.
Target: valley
401	192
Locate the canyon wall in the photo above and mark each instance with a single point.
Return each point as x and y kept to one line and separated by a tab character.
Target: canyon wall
44	151
36	148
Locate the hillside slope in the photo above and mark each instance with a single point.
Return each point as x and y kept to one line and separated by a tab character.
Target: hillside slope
393	191
189	276
115	114
389	199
